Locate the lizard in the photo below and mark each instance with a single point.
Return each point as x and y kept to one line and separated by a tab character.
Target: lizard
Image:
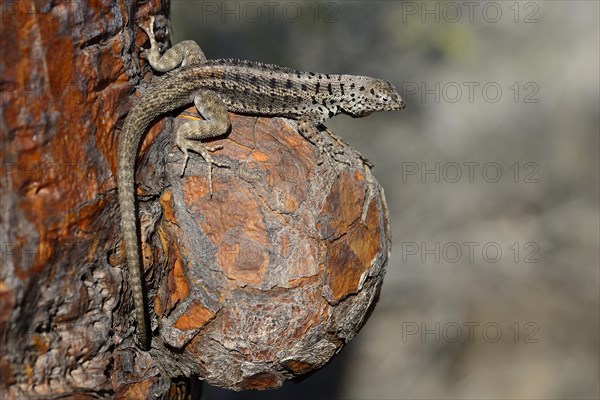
217	87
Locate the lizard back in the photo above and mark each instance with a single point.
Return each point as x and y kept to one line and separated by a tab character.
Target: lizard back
248	87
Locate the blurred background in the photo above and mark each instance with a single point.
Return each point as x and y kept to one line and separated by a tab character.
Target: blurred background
491	175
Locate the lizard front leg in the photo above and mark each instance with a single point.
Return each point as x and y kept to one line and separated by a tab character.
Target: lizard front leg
308	126
325	141
216	122
182	54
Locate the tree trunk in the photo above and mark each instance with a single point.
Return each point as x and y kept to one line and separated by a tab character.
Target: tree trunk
262	281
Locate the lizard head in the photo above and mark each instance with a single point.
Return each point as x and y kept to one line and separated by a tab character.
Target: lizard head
370	95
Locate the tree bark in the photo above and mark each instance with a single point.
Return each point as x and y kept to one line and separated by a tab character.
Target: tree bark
262	281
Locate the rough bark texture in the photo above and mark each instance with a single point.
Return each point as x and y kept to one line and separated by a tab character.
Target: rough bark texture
263	281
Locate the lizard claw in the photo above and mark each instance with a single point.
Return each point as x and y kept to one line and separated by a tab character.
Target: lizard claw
214	148
185	145
211	163
186	157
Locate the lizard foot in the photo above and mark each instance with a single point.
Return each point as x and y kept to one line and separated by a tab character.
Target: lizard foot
343	145
324	140
334	150
185	145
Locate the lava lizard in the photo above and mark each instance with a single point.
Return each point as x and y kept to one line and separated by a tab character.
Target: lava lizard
216	87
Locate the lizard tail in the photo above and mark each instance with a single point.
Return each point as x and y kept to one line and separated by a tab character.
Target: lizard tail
139	118
128	144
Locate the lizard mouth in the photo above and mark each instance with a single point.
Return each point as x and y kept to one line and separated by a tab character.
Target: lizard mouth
395	106
361	114
398	104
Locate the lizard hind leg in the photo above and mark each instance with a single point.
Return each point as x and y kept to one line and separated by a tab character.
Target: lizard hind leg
182	54
216	122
